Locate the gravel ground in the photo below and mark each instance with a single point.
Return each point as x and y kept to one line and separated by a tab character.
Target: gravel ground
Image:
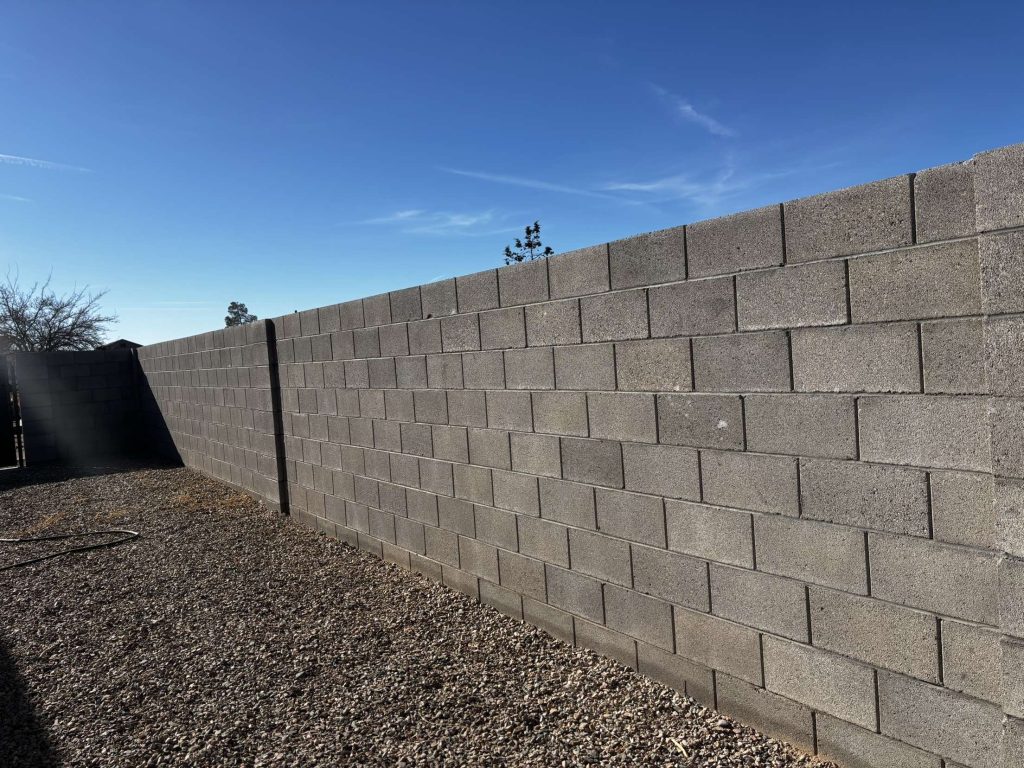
225	636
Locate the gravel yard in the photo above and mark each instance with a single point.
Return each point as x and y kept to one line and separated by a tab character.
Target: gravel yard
226	636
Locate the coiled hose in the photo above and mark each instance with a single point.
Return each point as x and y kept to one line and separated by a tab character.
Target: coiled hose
126	536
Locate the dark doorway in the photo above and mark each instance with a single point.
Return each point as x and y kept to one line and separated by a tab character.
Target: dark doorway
9	426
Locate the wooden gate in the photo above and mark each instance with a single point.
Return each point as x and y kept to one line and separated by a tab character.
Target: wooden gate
10	427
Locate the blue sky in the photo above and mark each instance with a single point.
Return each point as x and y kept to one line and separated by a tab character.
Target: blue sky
290	155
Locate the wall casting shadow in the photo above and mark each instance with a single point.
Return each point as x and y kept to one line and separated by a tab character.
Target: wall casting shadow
24	742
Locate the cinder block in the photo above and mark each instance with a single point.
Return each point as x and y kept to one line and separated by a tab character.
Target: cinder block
425	337
544	540
553	621
752	481
467	408
405	305
587	367
497	527
436	477
719	644
367	342
1011	596
398	405
578	273
329	319
405	470
554	322
1002	272
1008	510
631	516
461	581
442	545
734	243
523	575
502	329
682	674
536	454
944	202
853	747
479	558
760	600
350	314
598	462
439	299
863	358
971	660
644	618
478	291
460	333
483	370
1007	436
568	503
813	552
615	316
865	495
770	713
801	425
1003	338
652	365
516	492
621	416
701	421
879	633
579	595
523	283
722	535
822	680
431	406
962	508
450	443
532	368
1013	743
693	308
747	362
665	470
473	484
953	581
926	431
677	578
999	188
656	257
489	448
381	372
1012	680
409	535
504	600
560	413
600	556
377	310
931	281
937	719
870	217
342	345
954	356
604	641
394	339
792	297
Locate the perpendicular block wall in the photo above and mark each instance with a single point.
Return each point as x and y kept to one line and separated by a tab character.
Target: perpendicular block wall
773	459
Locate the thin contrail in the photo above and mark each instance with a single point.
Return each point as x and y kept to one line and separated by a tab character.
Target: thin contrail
31	162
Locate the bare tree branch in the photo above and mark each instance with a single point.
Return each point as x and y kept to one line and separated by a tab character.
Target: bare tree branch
36	319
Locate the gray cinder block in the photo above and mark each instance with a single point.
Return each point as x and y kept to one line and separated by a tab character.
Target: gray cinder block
553	322
586	367
753	481
467	408
366	341
719	644
666	470
523	283
645	618
560	413
631	516
760	600
656	257
863	358
680	579
953	352
693	308
553	621
431	406
1004	338
951	580
536	455
405	305
722	535
425	336
963	511
532	368
600	556
768	712
747	362
460	333
876	632
622	416
875	496
473	484
578	273
544	540
577	594
934	281
516	492
1002	272
792	297
870	217
479	558
483	370
746	240
615	316
450	443
652	365
849	745
814	552
971	660
509	410
568	503
606	642
522	574
801	425
502	329
598	462
823	680
478	291
1007	435
944	202
999	188
439	299
377	310
926	431
682	674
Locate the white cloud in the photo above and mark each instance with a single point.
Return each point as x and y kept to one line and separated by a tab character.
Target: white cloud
517	181
31	162
686	111
15	198
423	222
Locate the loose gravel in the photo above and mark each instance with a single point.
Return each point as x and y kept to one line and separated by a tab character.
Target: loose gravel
227	636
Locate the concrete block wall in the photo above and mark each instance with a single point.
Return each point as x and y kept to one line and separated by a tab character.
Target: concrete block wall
77	406
209	401
773	459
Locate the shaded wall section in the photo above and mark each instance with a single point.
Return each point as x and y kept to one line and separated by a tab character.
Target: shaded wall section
773	459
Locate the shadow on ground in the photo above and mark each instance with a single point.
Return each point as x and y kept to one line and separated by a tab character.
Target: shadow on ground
15	477
24	742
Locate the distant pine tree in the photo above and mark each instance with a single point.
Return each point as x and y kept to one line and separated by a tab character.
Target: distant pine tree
529	248
238	314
